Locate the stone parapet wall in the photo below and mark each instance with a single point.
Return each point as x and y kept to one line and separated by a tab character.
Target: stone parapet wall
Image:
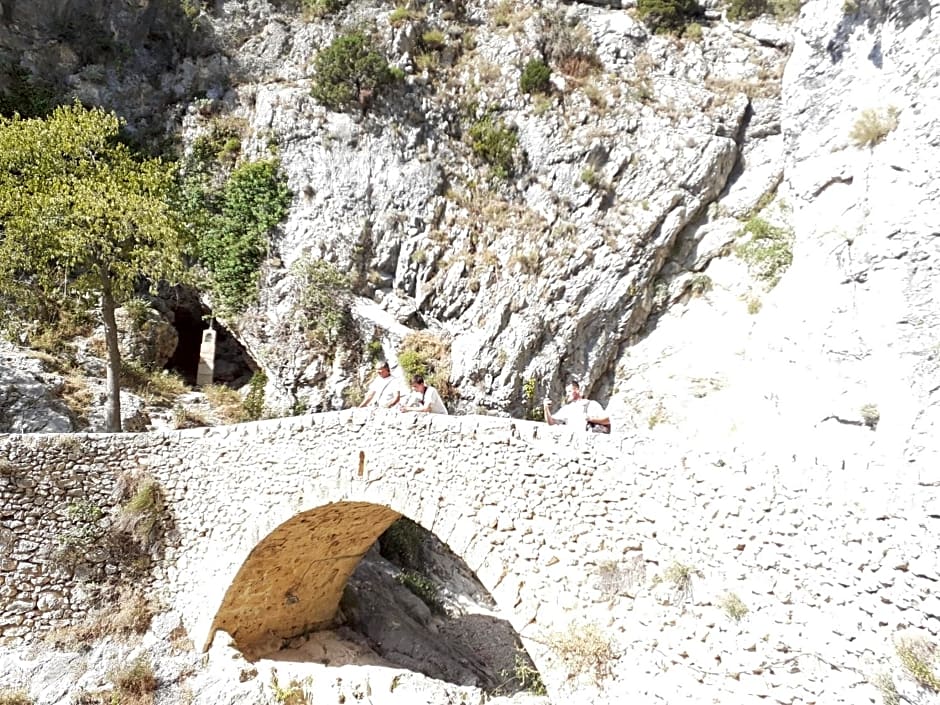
825	563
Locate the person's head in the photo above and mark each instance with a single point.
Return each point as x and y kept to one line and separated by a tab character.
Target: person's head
574	390
382	369
417	382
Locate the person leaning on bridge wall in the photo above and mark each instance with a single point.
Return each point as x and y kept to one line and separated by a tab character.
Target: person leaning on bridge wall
424	398
383	391
579	412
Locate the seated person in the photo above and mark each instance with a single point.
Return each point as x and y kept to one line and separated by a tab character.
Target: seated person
382	392
578	412
424	398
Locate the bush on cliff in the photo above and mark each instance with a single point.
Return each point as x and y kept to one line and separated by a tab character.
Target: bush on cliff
349	72
663	16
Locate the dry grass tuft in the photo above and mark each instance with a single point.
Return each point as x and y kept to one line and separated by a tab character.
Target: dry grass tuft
227	403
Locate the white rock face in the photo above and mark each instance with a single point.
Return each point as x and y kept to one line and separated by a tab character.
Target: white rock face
850	332
28	401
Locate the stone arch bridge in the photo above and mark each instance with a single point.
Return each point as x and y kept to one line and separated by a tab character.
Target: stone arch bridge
271	518
564	529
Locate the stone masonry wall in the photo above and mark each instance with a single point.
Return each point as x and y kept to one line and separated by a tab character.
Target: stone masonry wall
708	577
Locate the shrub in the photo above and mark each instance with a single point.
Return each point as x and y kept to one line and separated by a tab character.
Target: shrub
433	39
426	354
254	400
400	15
232	248
700	284
134	681
425	589
768	252
536	77
693	31
315	9
402	543
733	606
349	72
584	649
679	575
870	415
25	94
918	656
885	685
142	515
494	142
524	675
324	302
15	697
747	9
872	126
668	15
566	44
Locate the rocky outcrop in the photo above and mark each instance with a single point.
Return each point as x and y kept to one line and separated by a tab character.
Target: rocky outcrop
28	400
840	356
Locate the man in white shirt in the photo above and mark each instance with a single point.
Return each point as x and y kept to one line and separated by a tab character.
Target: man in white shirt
579	412
424	398
382	392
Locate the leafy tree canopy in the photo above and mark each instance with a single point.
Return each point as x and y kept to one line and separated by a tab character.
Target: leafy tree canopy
348	72
81	214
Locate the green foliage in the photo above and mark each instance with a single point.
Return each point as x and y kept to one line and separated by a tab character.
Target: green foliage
402	543
494	142
25	94
918	657
254	400
664	16
234	244
374	351
349	72
536	77
426	354
433	39
873	126
141	516
768	252
425	589
533	409
82	214
747	9
325	301
316	9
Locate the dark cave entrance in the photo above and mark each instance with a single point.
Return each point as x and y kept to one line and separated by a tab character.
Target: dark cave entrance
233	365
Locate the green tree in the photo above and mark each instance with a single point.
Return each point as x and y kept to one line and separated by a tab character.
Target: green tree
348	72
79	210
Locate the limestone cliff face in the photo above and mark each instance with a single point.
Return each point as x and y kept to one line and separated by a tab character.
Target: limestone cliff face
841	356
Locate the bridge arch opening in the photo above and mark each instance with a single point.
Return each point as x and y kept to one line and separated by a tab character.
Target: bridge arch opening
325	574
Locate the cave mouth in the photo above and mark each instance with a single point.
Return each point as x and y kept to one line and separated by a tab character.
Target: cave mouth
356	583
233	365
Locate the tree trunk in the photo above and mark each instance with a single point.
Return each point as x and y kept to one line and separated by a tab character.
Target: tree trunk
112	415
